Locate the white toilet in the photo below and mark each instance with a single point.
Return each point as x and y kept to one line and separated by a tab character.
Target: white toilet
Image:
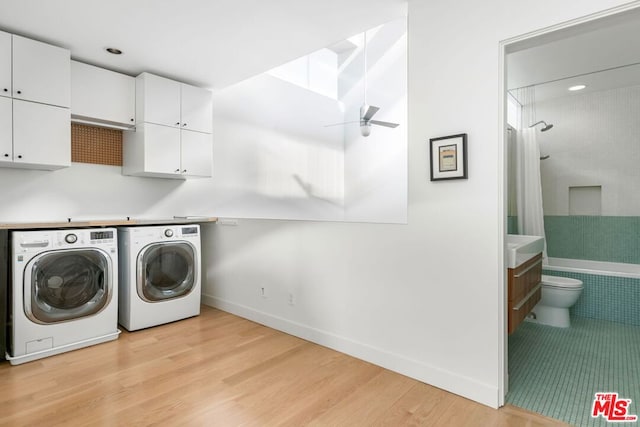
558	294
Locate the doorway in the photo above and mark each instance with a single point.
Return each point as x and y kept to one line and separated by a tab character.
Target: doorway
588	162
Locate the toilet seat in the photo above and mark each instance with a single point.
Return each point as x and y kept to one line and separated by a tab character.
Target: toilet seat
561	282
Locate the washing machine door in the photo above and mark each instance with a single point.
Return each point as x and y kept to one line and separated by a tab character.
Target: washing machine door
166	270
67	284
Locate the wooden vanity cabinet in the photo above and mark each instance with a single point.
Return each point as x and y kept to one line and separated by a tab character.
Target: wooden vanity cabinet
525	290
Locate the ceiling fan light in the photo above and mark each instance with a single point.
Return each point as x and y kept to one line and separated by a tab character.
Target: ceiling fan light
365	129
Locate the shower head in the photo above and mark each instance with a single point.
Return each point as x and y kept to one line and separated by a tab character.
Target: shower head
545	128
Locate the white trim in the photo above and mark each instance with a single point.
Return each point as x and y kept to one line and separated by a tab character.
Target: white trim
446	380
527	38
527	41
503	371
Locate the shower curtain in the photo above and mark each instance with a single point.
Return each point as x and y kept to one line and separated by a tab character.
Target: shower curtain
529	184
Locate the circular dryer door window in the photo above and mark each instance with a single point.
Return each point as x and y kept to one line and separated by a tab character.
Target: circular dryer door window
165	271
65	285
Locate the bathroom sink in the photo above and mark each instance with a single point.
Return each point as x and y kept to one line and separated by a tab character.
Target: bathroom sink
521	249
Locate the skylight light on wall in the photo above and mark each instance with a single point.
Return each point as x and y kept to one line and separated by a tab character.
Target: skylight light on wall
317	72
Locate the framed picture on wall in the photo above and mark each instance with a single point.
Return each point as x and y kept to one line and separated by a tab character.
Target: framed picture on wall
448	156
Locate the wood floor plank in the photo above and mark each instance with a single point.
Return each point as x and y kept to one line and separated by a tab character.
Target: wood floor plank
220	370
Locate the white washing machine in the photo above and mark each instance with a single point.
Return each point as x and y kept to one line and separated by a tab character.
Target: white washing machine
160	276
64	291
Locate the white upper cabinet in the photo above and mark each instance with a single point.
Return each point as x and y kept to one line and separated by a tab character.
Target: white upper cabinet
196	156
170	103
102	97
35	132
6	132
46	145
172	138
167	152
196	108
5	64
157	100
41	72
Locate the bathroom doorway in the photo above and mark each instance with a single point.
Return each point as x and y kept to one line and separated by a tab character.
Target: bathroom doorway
584	104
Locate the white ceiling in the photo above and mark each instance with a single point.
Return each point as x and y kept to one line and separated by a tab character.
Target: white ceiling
580	55
209	43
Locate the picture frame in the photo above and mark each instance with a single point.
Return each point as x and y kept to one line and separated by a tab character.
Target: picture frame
448	157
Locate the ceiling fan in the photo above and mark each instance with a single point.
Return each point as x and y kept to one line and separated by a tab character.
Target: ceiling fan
367	111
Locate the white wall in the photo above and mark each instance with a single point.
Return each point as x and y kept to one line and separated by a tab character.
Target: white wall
376	166
422	298
595	141
273	156
280	161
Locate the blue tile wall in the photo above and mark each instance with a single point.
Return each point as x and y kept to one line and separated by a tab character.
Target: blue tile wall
596	238
616	299
512	225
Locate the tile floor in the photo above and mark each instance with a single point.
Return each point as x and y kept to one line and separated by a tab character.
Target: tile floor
556	372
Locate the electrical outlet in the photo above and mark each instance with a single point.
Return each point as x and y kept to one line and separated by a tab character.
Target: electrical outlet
292	299
263	291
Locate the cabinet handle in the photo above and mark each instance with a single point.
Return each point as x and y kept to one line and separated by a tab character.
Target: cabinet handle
132	120
177	170
6	155
19	156
6	90
523	272
19	92
177	123
184	171
184	124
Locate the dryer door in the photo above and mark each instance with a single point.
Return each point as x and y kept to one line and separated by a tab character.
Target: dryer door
67	284
166	270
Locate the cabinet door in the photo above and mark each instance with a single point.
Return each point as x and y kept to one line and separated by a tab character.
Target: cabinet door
102	95
41	72
6	143
5	64
157	100
197	153
196	109
161	149
41	135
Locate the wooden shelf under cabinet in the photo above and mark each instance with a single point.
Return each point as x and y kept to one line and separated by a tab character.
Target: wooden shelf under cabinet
524	290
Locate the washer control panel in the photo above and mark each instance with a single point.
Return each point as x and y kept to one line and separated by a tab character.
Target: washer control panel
190	231
101	236
36	241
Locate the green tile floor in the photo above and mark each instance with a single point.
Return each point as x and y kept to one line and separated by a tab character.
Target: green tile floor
557	371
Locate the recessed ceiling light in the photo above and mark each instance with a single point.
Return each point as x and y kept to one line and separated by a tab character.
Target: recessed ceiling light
577	87
114	51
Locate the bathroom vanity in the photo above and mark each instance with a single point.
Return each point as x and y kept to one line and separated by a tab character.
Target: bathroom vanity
525	290
524	277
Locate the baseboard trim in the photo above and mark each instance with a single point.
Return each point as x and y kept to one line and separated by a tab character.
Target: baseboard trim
446	380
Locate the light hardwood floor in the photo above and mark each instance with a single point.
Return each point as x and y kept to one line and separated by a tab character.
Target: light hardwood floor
220	370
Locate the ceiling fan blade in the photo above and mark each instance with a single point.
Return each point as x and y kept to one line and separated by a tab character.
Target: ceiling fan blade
387	124
368	111
342	123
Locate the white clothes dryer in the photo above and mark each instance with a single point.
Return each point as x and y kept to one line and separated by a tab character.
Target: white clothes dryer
160	277
64	291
